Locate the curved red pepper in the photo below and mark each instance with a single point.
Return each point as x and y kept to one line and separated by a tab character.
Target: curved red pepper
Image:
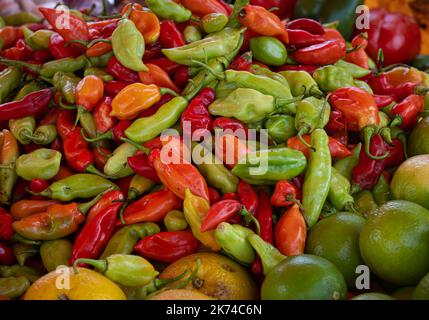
396	153
302	38
243	62
247	196
105	201
406	113
140	165
167	246
121	73
57	47
220	212
76	151
324	53
170	36
7	257
65	123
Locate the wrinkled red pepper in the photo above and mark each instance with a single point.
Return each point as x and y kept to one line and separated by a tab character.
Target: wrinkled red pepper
170	36
285	194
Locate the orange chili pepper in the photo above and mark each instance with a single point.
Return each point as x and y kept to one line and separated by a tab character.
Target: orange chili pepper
9	35
291	232
88	91
98	49
263	22
400	75
25	208
156	75
133	99
336	148
147	23
203	7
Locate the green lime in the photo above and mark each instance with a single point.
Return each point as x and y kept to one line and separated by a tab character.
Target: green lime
422	290
304	277
341	249
394	243
373	296
405	293
418	141
410	181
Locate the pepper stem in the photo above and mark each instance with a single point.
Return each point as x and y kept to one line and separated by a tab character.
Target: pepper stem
65	106
191	277
167	90
106	135
355	189
100	265
121	213
350	207
16	63
397	121
209	69
299	135
248	218
84	207
135	144
91	169
368	133
386	135
98	40
18	238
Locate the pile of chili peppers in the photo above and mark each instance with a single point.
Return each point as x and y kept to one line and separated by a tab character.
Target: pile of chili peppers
82	110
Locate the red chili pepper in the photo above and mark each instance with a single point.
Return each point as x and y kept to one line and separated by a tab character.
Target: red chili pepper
21	51
110	197
337	126
95	234
358	56
243	62
324	53
302	38
102	119
230	196
309	25
108	29
33	104
309	69
112	88
236	126
179	176
203	7
42	56
396	153
168	246
213	195
196	115
38	185
7	257
153	109
152	207
166	64
220	212
336	148
6	229
366	173
100	155
140	165
65	123
406	112
382	100
170	36
121	73
291	232
182	76
285	194
226	6
247	196
57	145
262	21
152	51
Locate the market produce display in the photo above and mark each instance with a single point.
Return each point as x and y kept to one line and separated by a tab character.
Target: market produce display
214	149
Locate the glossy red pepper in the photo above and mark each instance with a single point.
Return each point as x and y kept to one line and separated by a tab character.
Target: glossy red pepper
152	207
358	56
154	108
107	199
112	88
50	118
220	212
116	133
302	38
196	115
140	164
396	153
6	229
327	52
152	51
247	196
38	185
7	257
366	173
382	100
65	123
41	56
95	234
170	36
243	62
309	25
165	64
101	155
337	126
230	196
285	194
121	73
33	104
57	47
407	112
213	196
102	119
203	7
167	246
21	51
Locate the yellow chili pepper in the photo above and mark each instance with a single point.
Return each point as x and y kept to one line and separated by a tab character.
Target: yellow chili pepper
195	208
138	186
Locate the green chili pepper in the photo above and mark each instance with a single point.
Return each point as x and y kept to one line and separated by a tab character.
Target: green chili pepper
125	269
331	78
44	134
169	10
345	166
270	74
117	165
9	80
224	88
99	62
55	253
233	240
192	33
81	185
214	22
123	241
311	113
301	83
175	221
49	69
23	251
268	50
365	203
38	40
29	87
14	287
18	271
145	129
317	177
20	18
381	191
234	21
339	192
271	164
354	70
101	73
66	83
128	45
22	129
280	127
269	254
216	174
214	45
86	119
2	24
41	163
363	85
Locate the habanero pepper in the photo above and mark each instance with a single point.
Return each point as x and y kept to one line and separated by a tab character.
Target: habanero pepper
24	208
358	56
65	123
301	38
214	196
248	197
382	100
337	126
153	51
243	62
396	153
38	185
88	92
182	76
291	232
